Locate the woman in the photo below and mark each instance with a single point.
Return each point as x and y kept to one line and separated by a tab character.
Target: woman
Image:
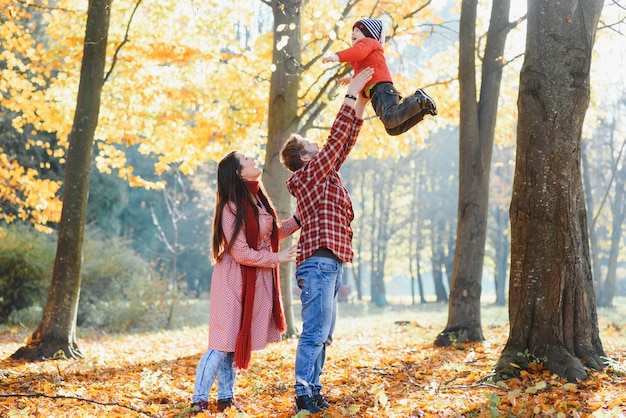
246	234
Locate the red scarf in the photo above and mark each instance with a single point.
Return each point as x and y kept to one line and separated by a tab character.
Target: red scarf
243	348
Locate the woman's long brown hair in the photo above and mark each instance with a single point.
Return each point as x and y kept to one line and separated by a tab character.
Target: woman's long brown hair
232	188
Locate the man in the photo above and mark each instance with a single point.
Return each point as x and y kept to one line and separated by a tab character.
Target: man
325	211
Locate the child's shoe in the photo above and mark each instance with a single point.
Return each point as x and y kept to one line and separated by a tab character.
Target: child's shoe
428	105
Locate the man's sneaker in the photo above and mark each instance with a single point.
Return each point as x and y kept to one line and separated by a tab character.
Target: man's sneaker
307	402
320	401
200	406
223	404
427	104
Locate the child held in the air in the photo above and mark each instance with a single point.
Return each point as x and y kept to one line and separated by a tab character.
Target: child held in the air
398	115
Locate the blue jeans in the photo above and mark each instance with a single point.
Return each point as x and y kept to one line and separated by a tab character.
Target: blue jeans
319	278
215	363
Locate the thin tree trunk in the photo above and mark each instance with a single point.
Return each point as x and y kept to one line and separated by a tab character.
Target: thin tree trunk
415	238
476	142
448	260
593	231
282	121
420	283
56	334
552	310
503	247
437	261
380	236
607	289
357	272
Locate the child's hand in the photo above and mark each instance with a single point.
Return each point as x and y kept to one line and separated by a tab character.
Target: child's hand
345	80
330	58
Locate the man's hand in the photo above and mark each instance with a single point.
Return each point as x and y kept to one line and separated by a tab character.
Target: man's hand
360	80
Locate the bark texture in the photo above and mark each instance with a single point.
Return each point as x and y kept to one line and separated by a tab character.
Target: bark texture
477	128
55	337
283	121
552	307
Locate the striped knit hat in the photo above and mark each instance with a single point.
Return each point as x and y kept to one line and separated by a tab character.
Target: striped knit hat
372	28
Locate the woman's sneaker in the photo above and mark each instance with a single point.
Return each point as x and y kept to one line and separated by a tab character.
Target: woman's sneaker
427	104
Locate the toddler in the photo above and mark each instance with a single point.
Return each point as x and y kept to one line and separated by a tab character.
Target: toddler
397	114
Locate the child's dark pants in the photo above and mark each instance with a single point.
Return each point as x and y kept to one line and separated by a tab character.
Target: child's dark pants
396	114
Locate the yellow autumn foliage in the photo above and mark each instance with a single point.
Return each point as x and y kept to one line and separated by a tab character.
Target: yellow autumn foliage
189	81
186	82
33	198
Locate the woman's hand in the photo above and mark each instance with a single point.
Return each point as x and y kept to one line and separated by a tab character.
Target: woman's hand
288	254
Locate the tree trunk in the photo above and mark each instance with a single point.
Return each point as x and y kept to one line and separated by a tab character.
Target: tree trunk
382	190
552	310
477	128
415	237
448	260
56	334
607	288
358	264
282	121
593	230
420	284
503	248
437	258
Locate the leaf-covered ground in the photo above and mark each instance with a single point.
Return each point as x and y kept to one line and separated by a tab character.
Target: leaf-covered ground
382	364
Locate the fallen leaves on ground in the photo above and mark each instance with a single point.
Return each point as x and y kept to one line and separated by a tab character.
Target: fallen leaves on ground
381	364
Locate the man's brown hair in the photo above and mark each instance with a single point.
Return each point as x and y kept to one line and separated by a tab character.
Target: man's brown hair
291	152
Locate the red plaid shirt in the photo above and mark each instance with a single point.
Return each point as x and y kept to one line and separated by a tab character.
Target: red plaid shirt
324	204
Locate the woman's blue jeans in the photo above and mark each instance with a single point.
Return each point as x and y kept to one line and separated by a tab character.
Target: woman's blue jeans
215	363
319	278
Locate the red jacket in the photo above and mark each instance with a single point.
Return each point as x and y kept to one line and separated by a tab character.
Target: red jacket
367	52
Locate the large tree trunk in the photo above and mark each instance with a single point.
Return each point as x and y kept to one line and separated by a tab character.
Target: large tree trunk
56	334
477	128
552	308
282	121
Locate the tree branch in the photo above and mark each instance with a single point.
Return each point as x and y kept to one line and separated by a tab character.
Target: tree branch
44	7
119	47
43	395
